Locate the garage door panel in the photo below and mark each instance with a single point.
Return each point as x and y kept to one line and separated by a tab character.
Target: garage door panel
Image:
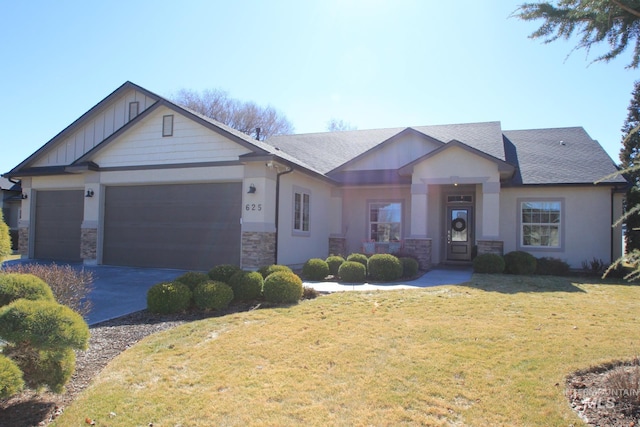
190	226
58	219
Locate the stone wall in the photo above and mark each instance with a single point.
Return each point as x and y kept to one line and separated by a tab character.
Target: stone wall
338	246
88	244
490	247
421	249
258	249
23	241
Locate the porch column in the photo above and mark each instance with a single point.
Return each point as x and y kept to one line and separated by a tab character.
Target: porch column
419	209
337	239
93	192
490	241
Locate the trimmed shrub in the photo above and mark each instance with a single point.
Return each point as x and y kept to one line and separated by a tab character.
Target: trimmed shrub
352	272
14	286
11	381
315	269
168	297
223	272
282	287
246	285
212	295
384	267
273	268
50	368
546	266
361	258
192	279
70	286
334	263
519	262
5	239
410	267
488	264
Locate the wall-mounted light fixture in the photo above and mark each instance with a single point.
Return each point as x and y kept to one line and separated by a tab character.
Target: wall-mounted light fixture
252	189
89	193
24	196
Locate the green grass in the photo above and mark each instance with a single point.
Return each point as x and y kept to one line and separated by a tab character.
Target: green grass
493	352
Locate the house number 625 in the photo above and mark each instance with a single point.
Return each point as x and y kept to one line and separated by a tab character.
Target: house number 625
253	207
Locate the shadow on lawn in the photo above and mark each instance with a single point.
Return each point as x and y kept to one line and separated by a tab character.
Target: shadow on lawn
512	284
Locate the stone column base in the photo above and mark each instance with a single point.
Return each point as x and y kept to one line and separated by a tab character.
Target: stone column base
490	247
421	249
88	244
338	246
258	249
23	241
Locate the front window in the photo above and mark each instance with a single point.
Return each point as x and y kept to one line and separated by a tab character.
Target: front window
541	223
385	221
301	208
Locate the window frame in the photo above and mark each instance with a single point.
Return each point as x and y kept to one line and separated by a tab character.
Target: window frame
370	204
301	220
167	125
521	224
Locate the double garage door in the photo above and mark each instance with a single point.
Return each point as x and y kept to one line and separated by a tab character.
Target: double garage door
187	226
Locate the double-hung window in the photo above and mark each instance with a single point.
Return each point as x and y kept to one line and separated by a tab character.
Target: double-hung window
301	210
540	224
385	221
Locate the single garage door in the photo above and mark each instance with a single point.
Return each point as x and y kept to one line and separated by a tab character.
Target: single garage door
58	219
187	226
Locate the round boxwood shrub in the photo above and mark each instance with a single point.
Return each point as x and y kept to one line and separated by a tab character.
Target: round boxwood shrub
212	295
282	287
519	262
223	272
269	269
488	264
384	267
168	297
14	286
192	279
352	272
547	266
361	258
246	285
11	381
334	263
315	269
410	266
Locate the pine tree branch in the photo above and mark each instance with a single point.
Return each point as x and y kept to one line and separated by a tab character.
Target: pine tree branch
626	8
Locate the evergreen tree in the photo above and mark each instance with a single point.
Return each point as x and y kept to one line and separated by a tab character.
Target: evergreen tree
5	239
630	158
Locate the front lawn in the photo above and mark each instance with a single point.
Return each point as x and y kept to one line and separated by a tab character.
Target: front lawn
495	351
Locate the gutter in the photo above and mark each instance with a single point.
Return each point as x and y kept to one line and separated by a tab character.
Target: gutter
291	169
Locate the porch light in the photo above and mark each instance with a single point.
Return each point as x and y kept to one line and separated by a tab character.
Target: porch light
24	196
89	193
252	189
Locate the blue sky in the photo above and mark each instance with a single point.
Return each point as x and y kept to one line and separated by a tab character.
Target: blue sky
372	63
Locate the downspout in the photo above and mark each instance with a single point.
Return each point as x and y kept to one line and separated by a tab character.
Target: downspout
278	208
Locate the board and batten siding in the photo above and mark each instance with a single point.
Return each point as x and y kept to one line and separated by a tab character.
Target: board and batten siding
190	143
111	118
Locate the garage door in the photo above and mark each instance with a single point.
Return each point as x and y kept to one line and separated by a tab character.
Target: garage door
188	226
58	219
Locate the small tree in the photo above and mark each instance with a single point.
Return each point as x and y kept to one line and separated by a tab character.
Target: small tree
629	156
5	239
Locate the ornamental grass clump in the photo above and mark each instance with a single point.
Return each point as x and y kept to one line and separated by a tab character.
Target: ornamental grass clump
488	264
519	262
352	272
223	272
212	295
334	263
315	269
246	285
168	297
384	267
282	287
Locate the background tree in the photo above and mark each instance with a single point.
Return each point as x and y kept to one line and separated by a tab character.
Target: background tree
5	239
243	116
616	22
630	161
336	125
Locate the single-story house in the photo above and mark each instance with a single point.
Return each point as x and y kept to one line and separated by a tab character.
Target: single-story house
140	181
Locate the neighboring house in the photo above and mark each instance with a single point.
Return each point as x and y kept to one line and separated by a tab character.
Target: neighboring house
10	202
141	181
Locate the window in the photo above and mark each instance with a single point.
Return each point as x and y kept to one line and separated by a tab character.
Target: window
540	224
301	208
167	125
385	221
133	109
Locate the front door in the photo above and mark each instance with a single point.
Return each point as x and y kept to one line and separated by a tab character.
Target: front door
459	232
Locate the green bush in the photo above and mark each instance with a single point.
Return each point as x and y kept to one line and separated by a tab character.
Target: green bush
309	293
5	239
14	286
488	264
282	287
168	297
334	263
246	285
273	268
384	267
223	272
70	286
546	266
361	258
519	262
352	272
192	279
410	266
11	381
50	368
212	295
315	269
